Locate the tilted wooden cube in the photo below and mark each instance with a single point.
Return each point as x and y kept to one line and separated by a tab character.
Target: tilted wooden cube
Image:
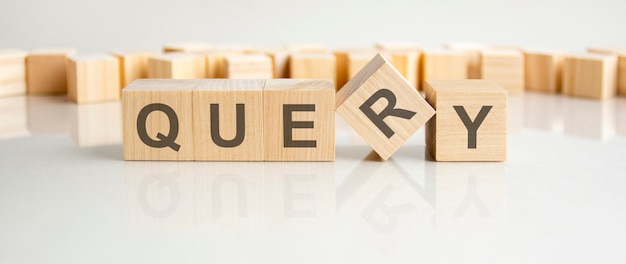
133	65
46	71
442	65
543	71
471	120
590	75
621	65
158	120
253	66
228	120
505	67
299	120
382	106
312	66
177	66
93	78
12	72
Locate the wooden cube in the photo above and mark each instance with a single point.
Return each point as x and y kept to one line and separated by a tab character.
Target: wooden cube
188	47
590	75
443	65
255	66
471	120
504	67
380	105
280	62
177	66
299	123
543	71
472	54
12	72
407	62
133	65
216	64
157	115
228	120
46	72
621	65
93	78
312	66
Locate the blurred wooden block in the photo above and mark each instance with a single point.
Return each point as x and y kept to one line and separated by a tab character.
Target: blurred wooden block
157	119
306	47
133	65
380	105
216	64
228	120
93	78
299	120
357	61
471	120
188	47
177	66
342	63
621	65
312	66
505	67
12	72
254	66
45	71
443	65
543	71
407	62
590	75
472	54
280	62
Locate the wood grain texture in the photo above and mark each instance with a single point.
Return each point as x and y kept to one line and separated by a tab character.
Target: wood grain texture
227	94
46	72
312	66
590	75
133	65
93	78
309	102
407	62
447	137
253	66
621	65
543	71
472	54
177	95
443	65
280	62
12	72
177	66
505	67
376	77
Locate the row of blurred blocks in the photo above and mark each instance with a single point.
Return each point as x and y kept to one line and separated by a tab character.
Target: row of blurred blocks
91	78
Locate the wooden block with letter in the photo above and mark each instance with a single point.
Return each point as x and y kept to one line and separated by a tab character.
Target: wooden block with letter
253	66
471	120
12	72
93	78
133	65
177	66
590	75
543	71
505	67
621	65
472	54
228	120
45	71
312	66
442	65
382	106
157	116
299	123
188	47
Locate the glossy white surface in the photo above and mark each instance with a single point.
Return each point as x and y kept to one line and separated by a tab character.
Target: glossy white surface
66	196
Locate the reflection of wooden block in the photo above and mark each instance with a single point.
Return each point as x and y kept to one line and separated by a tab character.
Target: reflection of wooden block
443	65
382	107
228	120
45	71
358	60
93	78
471	120
133	65
312	66
157	116
621	65
188	47
14	117
177	66
300	120
472	55
96	124
12	72
590	75
543	71
506	68
249	67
